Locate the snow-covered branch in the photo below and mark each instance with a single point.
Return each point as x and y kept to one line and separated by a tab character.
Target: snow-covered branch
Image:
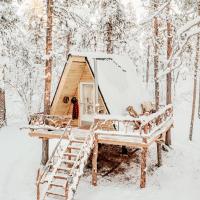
160	9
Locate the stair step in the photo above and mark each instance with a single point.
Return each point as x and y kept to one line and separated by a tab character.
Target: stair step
55	194
73	147
70	154
77	141
68	161
64	169
57	185
60	177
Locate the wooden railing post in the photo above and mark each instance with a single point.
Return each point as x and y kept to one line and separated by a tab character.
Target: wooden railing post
38	191
168	140
38	184
159	154
94	161
144	159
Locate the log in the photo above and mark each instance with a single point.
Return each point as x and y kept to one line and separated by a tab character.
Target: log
94	161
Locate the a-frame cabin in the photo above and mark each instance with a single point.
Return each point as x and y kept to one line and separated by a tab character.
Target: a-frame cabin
118	86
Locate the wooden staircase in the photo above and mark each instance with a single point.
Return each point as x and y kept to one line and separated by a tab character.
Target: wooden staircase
60	177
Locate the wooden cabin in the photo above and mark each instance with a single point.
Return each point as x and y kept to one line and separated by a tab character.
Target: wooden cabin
116	81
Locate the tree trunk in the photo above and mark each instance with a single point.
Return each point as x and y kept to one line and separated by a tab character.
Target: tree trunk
195	80
2	101
199	101
156	70
148	65
156	51
48	74
69	42
109	46
169	75
2	108
194	88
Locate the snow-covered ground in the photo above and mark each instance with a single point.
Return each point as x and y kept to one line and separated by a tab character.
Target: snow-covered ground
178	178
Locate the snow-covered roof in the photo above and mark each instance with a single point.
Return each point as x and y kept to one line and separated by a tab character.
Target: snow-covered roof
118	81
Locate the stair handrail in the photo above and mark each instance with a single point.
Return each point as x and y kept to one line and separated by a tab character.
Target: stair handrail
80	156
46	167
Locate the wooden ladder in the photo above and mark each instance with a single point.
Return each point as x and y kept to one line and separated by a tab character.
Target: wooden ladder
62	177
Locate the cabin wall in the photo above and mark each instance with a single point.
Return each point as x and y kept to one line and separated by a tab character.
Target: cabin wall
76	71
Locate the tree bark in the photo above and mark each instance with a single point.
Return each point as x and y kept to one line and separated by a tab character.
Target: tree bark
169	75
48	74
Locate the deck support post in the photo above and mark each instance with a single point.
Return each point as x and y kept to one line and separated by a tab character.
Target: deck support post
159	154
66	191
143	167
45	151
94	161
168	140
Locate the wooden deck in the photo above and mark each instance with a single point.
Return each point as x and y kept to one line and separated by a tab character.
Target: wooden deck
132	132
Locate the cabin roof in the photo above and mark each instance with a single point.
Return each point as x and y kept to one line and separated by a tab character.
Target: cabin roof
117	80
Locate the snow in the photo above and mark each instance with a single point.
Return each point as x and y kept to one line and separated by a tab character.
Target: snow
119	73
20	159
178	178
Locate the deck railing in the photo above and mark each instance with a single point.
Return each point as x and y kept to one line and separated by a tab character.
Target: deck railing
142	126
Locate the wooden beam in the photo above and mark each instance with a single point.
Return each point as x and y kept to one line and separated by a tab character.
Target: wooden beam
122	143
47	135
94	161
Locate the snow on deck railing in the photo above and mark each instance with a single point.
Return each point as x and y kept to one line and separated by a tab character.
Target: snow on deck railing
126	125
